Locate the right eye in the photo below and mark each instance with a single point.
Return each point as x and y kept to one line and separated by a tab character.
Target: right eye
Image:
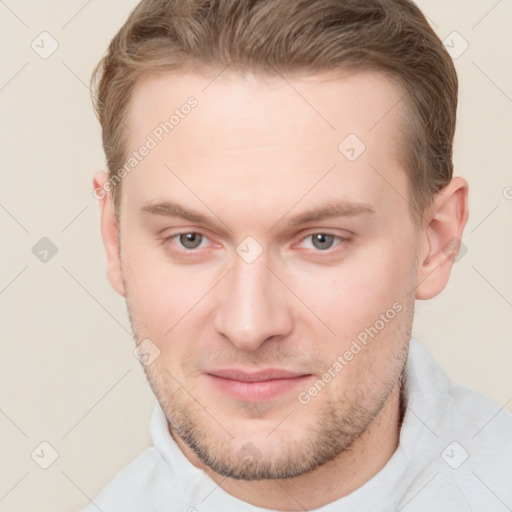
189	240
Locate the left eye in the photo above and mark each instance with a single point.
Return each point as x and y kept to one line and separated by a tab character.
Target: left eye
189	240
322	241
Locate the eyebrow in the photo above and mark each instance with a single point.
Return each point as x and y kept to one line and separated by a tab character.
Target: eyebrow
332	209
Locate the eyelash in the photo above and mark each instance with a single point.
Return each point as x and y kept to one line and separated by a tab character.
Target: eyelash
341	240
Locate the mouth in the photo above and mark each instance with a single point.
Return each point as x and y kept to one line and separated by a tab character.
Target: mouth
256	386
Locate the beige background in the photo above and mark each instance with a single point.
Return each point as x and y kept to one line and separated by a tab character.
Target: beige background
67	372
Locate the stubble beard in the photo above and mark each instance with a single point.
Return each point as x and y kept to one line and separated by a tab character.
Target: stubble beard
333	431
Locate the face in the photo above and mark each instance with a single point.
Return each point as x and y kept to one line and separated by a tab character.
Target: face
271	261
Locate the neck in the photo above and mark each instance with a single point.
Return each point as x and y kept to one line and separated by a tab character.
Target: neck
335	479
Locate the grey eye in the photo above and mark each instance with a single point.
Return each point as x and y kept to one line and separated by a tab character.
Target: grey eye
191	240
322	241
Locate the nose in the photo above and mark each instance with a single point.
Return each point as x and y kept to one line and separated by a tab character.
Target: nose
252	305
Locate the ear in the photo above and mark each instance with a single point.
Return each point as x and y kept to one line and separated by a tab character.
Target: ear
441	238
109	231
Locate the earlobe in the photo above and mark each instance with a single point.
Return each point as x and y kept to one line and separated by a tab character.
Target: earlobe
109	231
441	236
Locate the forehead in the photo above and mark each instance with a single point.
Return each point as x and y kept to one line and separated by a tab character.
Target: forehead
328	105
269	135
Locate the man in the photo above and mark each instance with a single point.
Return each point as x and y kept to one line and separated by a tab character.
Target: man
279	194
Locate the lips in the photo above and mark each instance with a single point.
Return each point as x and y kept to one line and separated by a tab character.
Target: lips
255	386
255	376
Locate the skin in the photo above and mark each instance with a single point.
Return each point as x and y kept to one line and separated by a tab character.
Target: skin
251	156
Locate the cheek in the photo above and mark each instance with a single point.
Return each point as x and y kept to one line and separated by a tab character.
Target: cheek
159	293
350	297
168	302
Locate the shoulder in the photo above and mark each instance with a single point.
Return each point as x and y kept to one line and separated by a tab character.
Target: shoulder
146	483
483	423
481	433
463	438
454	410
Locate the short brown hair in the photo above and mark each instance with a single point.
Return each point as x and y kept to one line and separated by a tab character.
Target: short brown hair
289	36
